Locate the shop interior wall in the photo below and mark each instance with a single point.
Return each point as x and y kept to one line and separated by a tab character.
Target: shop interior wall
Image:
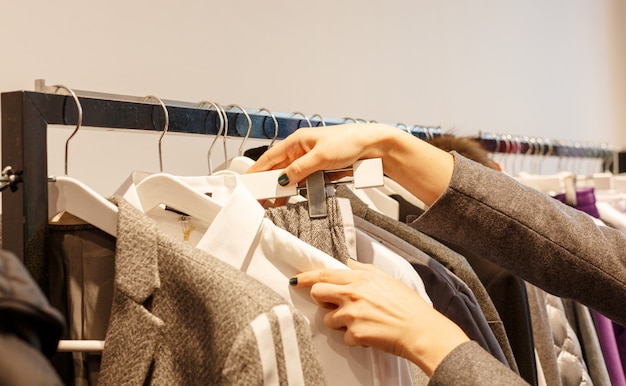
552	69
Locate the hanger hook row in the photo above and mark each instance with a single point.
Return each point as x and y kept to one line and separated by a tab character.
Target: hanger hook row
219	130
401	125
166	126
79	119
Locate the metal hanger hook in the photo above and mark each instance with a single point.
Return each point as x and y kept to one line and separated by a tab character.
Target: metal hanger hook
79	120
321	119
225	134
245	139
275	126
219	131
308	121
166	126
401	125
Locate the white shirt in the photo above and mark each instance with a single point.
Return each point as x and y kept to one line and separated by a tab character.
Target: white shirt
241	236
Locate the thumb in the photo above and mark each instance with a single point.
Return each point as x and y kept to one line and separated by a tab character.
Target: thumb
300	169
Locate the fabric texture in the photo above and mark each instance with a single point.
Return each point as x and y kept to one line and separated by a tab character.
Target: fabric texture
329	234
272	256
324	233
181	316
470	365
82	261
567	347
606	335
508	293
24	308
513	226
449	294
23	364
581	320
452	260
542	333
585	201
29	327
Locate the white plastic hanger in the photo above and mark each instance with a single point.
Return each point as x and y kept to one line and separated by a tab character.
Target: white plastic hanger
379	201
395	188
163	188
66	194
377	198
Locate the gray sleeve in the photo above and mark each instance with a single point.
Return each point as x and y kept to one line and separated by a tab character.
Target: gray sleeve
545	242
469	365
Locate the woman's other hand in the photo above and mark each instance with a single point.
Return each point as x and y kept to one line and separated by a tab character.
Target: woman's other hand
376	310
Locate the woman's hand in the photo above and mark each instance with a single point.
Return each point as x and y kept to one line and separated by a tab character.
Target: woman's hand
308	150
422	169
376	310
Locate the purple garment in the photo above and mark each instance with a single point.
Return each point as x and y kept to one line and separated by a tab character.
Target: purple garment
611	335
610	349
585	201
620	337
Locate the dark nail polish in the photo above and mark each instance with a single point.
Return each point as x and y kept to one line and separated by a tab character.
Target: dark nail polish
283	180
293	281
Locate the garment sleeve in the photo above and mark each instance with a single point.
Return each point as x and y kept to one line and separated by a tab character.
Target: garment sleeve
470	365
275	348
545	242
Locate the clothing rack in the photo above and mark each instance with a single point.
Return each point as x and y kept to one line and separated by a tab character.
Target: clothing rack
506	143
547	147
26	115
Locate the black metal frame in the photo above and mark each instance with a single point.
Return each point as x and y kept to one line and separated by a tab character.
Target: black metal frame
25	118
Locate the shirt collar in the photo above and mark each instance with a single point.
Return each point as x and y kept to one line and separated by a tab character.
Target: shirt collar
233	231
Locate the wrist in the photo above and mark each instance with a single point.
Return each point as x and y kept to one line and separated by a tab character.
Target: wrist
419	167
429	349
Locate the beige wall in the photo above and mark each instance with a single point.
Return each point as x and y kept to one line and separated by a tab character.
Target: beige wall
552	69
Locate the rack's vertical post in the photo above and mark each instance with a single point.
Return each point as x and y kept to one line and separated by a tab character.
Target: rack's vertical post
25	211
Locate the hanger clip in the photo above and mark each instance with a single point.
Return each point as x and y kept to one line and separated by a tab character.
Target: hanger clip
367	173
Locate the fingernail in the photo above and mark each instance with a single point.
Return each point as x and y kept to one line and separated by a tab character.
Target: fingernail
283	180
293	281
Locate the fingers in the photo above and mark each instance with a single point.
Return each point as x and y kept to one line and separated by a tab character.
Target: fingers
303	167
332	276
305	152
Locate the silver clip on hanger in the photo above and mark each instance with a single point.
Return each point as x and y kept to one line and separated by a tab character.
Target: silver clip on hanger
367	173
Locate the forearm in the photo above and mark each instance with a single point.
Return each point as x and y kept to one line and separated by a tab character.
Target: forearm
422	169
536	237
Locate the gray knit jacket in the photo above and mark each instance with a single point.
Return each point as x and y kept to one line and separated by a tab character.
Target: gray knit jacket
545	242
